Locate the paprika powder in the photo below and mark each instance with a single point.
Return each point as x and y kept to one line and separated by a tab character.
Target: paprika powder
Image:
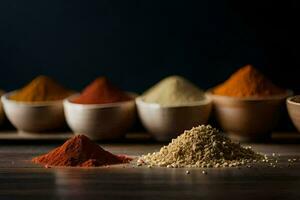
101	91
79	151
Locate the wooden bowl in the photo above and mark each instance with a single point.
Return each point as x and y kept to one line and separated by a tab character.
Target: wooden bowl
293	108
165	123
35	117
248	119
100	121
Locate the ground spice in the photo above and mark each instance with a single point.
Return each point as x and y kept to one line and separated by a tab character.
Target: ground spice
296	99
202	146
41	89
173	91
101	91
248	82
79	151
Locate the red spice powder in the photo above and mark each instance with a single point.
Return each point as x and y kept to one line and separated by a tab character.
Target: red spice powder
79	151
101	91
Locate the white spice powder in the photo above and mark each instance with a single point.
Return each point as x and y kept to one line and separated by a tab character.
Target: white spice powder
173	91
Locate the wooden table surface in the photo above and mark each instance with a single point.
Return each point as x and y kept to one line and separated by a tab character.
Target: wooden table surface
20	179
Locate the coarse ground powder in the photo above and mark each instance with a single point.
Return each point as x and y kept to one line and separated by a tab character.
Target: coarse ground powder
173	91
79	151
202	146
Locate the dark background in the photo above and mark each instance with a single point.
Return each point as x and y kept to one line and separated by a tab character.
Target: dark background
136	43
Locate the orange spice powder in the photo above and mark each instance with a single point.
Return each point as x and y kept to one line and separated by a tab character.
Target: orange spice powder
41	89
248	82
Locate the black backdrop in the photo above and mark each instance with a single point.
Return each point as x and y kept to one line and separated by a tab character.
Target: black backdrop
136	43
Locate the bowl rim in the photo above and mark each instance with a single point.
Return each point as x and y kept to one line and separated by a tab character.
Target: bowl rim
290	101
287	94
206	101
5	99
106	105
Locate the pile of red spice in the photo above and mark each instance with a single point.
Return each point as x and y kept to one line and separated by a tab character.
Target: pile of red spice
101	91
79	151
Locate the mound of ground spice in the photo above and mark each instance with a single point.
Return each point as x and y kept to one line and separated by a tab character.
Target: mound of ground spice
202	146
42	88
296	99
101	91
79	151
248	82
173	91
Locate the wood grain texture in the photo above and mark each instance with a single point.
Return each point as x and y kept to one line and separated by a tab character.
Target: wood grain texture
20	179
14	135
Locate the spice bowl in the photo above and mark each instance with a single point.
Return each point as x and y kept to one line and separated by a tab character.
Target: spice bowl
2	115
100	121
293	107
35	117
248	119
167	122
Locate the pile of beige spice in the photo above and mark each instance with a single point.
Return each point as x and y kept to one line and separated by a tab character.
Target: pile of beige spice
174	91
202	147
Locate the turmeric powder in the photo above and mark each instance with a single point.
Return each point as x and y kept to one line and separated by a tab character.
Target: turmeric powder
248	82
42	88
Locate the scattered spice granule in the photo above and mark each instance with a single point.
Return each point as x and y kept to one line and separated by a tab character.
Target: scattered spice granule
80	151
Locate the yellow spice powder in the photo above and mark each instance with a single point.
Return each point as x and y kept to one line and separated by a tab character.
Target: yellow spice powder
42	88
